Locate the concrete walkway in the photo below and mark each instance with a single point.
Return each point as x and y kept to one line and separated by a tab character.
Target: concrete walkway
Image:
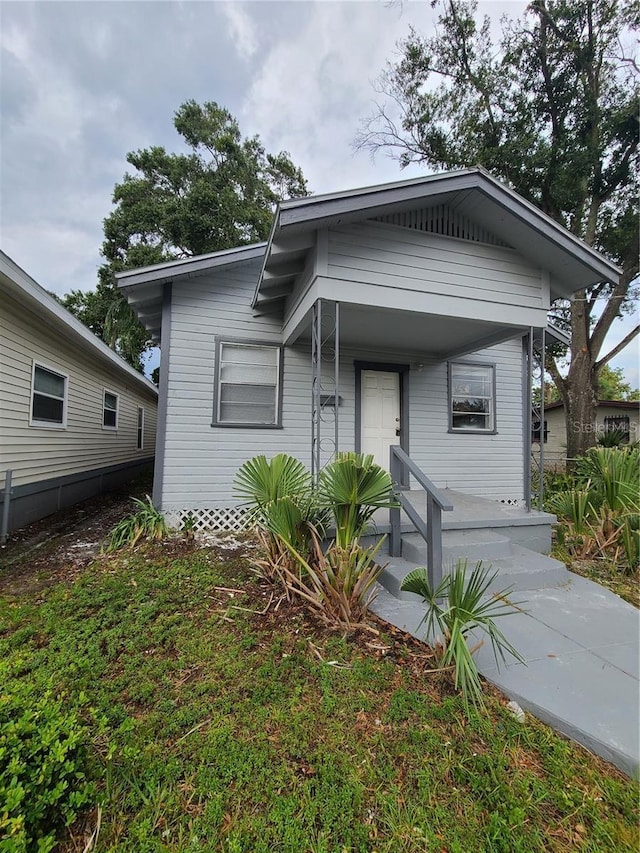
581	647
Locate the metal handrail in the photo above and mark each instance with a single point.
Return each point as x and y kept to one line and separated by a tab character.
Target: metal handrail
431	531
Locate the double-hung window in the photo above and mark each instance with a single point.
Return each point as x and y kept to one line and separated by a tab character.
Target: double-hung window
48	397
110	410
472	394
248	384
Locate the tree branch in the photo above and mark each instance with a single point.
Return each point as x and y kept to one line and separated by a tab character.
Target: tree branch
552	368
611	311
618	348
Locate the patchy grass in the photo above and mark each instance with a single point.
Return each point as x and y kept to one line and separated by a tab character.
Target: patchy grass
230	721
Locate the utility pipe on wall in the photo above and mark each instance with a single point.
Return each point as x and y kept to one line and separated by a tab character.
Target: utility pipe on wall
4	528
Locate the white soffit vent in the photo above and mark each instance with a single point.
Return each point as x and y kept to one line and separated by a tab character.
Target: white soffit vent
440	219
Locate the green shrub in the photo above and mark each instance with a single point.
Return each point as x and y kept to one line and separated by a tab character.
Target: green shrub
44	773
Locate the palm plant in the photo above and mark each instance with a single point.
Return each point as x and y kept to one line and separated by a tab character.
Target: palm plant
461	603
146	523
260	481
600	515
337	583
613	473
280	495
353	487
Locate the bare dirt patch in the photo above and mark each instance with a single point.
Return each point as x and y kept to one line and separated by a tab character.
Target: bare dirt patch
57	548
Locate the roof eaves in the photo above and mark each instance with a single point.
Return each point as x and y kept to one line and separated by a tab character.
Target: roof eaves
275	227
185	267
292	212
23	281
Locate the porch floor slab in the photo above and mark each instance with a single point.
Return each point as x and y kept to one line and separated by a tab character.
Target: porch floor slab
469	512
581	647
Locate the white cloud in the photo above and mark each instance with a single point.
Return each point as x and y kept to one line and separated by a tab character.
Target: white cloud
312	89
84	83
243	32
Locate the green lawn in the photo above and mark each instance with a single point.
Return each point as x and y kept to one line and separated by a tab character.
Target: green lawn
214	727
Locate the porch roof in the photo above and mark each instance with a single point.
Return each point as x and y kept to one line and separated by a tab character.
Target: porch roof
473	193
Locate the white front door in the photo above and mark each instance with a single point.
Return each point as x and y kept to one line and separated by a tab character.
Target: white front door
380	414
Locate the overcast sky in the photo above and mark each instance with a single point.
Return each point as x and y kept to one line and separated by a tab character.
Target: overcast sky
84	83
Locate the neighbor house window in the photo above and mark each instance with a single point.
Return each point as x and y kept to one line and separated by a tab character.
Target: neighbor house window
535	432
110	410
48	397
471	397
619	424
248	384
140	443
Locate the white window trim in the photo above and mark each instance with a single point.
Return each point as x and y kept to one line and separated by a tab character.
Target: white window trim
220	342
140	429
34	422
106	391
494	393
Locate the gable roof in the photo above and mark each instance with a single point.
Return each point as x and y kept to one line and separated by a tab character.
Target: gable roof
143	286
29	293
473	193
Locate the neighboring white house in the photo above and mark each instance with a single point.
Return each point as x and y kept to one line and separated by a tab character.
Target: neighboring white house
397	314
75	419
619	415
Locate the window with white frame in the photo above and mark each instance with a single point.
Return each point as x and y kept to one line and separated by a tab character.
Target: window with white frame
110	410
140	443
472	393
248	384
48	397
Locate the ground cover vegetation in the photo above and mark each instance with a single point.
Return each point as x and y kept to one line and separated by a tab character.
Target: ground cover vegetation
191	707
598	510
550	106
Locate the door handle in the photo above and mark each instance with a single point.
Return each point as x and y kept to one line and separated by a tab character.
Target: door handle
397	431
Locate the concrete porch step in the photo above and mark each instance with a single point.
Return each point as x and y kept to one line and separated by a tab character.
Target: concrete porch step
472	545
522	570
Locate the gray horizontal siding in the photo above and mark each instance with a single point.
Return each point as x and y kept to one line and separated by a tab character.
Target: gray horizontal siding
201	461
485	465
400	258
37	453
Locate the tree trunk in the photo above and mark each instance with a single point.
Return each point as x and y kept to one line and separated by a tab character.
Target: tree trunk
580	405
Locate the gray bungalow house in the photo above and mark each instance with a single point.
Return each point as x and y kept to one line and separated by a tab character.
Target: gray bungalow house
400	314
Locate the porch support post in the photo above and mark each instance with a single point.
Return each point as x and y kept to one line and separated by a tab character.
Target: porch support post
397	476
526	398
543	353
325	348
336	377
316	385
434	545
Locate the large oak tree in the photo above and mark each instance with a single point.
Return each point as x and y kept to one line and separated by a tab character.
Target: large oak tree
552	109
219	193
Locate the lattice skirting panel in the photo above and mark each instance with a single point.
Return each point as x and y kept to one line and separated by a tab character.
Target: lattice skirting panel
232	518
519	502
